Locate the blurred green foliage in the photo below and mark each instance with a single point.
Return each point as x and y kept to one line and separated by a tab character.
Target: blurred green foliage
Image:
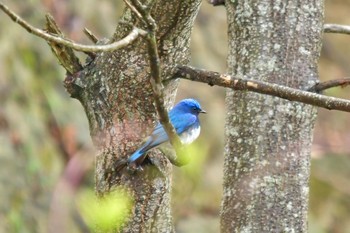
42	128
106	213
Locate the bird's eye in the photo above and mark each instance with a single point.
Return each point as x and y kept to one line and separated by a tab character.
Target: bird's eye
194	108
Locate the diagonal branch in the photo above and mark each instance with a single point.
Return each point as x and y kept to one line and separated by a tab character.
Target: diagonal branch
156	82
214	78
133	35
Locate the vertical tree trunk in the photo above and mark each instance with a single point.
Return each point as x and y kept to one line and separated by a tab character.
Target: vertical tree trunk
116	94
268	140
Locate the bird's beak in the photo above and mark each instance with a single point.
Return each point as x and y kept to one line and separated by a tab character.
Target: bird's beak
202	111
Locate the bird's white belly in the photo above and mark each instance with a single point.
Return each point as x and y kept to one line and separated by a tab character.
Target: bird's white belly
190	135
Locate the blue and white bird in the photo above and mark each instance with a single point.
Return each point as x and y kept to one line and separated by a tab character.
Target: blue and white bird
184	117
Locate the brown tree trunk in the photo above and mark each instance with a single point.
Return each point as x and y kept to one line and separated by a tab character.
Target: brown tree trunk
116	93
268	139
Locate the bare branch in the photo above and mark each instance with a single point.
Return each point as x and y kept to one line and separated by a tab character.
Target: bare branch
336	28
330	84
214	78
157	86
133	35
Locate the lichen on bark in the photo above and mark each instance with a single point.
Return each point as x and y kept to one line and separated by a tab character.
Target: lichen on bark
268	140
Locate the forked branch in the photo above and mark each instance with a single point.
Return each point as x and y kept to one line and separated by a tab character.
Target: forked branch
224	80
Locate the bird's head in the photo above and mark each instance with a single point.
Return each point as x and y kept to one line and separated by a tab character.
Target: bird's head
189	106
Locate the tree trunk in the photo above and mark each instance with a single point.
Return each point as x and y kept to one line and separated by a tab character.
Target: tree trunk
268	139
116	93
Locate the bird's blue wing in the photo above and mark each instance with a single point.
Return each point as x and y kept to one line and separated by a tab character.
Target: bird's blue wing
182	122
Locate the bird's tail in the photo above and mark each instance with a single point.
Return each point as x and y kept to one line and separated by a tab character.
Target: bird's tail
138	156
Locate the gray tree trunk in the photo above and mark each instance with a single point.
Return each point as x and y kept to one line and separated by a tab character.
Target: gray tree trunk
116	93
268	140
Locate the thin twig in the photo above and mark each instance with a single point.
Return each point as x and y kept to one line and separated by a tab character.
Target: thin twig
133	9
336	28
330	84
214	78
157	86
133	35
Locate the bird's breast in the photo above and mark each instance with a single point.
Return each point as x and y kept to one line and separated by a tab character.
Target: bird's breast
190	135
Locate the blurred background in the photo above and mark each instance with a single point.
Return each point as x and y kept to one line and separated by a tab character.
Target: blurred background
44	137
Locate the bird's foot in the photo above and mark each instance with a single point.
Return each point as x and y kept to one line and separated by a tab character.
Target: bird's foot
134	167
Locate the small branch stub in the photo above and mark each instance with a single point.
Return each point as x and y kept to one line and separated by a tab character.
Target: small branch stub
64	54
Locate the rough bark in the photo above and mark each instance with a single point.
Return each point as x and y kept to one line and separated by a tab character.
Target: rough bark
268	140
115	91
